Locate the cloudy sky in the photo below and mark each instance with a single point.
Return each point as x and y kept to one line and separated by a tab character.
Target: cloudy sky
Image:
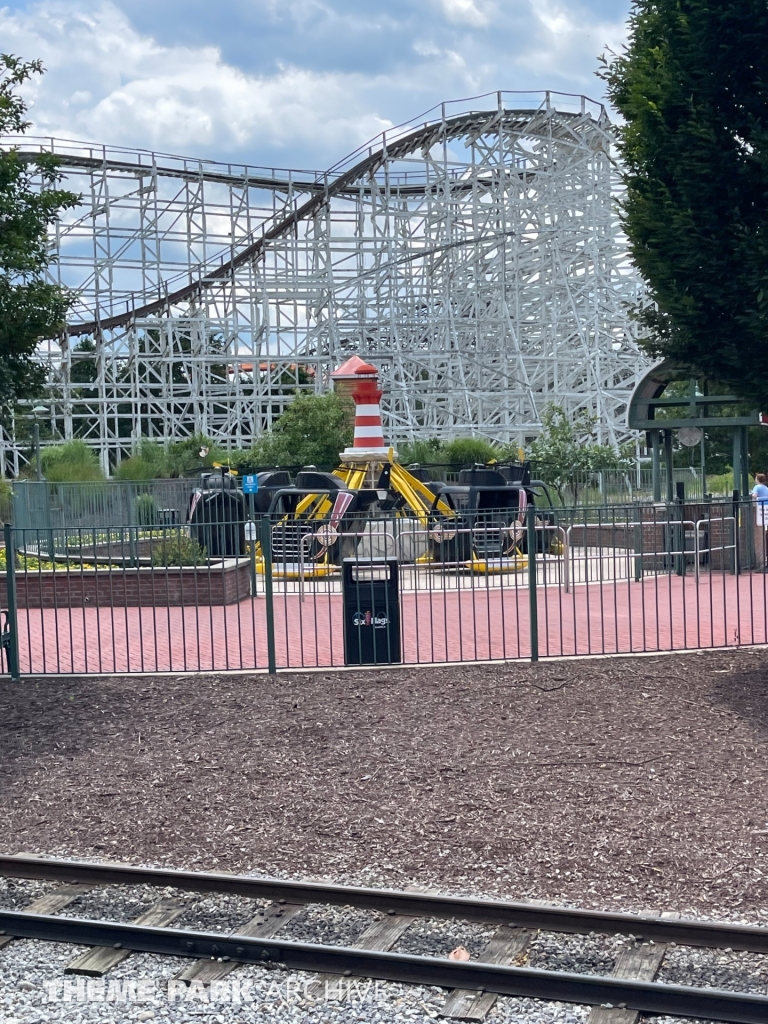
290	83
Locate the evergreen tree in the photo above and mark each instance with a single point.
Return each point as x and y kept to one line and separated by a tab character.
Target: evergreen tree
692	86
31	309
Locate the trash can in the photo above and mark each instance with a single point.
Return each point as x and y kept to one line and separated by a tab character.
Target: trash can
217	523
371	597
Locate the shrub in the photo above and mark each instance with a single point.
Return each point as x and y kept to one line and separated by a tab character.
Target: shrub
6	501
720	484
424	452
466	451
73	462
152	461
149	461
177	549
184	456
133	468
146	510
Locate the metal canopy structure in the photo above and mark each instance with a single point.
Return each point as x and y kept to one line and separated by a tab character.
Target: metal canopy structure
475	257
695	409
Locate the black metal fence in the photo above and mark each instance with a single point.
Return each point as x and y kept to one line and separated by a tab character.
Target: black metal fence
224	592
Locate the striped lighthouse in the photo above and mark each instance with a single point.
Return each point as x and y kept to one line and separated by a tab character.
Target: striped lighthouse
361	381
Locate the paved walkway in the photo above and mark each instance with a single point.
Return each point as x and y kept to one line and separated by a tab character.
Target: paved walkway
660	613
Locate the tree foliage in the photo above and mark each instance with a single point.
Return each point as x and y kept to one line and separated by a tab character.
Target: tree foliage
692	86
313	430
566	449
31	309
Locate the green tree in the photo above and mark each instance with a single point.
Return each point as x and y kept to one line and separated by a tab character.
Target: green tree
565	450
31	309
692	86
313	430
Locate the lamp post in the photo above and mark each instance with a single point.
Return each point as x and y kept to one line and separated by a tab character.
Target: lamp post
38	410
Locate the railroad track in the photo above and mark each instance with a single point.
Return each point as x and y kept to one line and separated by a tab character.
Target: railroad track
473	985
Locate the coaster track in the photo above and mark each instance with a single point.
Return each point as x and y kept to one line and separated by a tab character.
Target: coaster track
476	257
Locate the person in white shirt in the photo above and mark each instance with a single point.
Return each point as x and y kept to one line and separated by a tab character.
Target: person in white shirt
760	497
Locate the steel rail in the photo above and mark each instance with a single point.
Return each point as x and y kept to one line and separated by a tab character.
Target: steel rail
201	173
425	136
709	934
643	996
319	184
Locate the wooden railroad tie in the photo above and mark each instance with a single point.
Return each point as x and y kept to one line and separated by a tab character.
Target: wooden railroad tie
380	935
51	903
266	924
98	960
504	946
641	963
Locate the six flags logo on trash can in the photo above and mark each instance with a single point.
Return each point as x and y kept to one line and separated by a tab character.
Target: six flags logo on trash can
369	619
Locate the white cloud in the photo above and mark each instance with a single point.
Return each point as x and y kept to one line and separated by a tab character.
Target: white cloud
569	38
465	12
106	82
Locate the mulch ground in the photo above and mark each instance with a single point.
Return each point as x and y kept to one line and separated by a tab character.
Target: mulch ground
631	782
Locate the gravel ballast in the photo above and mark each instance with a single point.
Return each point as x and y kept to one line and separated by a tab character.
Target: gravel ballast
625	783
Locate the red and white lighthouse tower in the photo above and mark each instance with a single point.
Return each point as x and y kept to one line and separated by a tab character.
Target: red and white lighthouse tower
360	380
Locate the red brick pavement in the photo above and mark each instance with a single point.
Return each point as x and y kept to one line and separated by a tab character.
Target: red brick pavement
660	613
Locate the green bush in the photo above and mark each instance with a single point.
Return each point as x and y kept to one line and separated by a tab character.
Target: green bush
720	484
466	451
184	456
146	510
152	461
6	501
424	452
135	469
73	462
177	549
148	462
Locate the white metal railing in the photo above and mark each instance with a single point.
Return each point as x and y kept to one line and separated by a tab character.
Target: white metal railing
516	531
671	551
566	562
722	547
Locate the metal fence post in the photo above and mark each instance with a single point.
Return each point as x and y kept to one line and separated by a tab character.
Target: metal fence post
251	532
638	544
533	600
11	630
736	538
266	553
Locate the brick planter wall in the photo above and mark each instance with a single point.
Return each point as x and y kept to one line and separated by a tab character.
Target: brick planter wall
225	582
